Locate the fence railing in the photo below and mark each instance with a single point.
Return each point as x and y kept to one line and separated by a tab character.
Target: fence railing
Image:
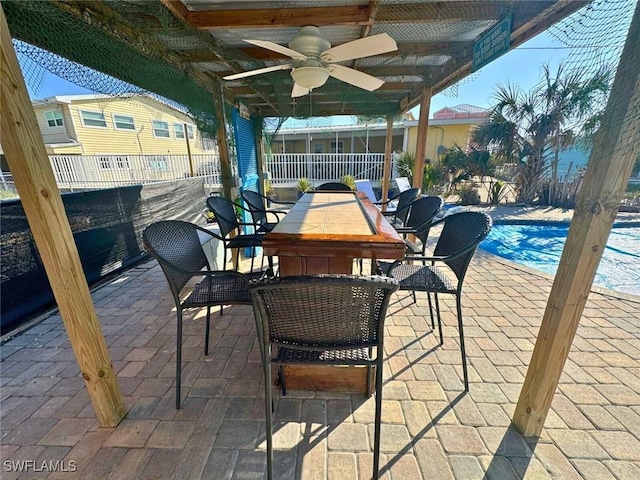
90	172
288	168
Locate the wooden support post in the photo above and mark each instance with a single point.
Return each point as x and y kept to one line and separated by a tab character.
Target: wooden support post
29	163
386	171
186	138
421	142
615	149
223	149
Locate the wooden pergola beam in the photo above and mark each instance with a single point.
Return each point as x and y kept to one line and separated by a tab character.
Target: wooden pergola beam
615	150
386	169
278	17
28	160
421	141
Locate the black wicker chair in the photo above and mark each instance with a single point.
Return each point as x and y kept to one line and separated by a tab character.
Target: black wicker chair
421	215
224	211
322	319
177	248
256	205
458	241
403	201
333	186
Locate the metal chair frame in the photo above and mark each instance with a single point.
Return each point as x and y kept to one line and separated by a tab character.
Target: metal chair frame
256	206
224	211
334	187
461	234
322	319
177	248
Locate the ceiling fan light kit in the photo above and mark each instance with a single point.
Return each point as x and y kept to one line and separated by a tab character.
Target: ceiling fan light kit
315	60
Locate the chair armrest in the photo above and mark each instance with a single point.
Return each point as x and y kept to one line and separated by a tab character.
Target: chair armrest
282	203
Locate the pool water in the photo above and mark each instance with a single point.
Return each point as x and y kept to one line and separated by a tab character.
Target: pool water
540	247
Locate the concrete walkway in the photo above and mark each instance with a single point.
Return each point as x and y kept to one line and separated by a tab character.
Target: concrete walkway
431	430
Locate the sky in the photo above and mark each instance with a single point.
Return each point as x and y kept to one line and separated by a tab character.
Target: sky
520	66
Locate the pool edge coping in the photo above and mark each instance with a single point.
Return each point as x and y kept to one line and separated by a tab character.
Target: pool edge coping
532	271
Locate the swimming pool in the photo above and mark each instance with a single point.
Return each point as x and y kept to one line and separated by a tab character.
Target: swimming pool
540	246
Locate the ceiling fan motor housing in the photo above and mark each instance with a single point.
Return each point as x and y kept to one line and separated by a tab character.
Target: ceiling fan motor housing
310	42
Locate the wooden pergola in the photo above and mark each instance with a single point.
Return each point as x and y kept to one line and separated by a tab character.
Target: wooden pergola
203	42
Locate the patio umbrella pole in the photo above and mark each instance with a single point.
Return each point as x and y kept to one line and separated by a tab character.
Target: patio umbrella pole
29	163
615	149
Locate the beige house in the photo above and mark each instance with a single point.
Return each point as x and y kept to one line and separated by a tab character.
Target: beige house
449	127
102	125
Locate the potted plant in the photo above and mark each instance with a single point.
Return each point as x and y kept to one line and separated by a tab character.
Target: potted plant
350	181
304	185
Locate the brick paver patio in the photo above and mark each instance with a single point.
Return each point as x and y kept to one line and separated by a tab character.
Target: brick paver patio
430	431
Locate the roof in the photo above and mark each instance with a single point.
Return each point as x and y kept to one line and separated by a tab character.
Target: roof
182	49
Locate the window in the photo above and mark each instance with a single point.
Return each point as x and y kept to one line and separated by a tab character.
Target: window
336	148
178	129
158	163
123	122
114	162
317	148
160	129
190	132
93	119
54	118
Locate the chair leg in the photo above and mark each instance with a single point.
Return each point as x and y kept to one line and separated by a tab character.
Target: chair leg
368	391
206	333
178	357
435	295
268	405
376	439
433	324
253	257
283	383
465	374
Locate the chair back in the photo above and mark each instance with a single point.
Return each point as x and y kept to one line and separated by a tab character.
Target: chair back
225	213
334	186
322	311
423	211
404	201
402	183
255	204
365	187
177	248
462	232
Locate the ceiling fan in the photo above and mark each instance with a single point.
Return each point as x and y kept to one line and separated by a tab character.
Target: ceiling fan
314	60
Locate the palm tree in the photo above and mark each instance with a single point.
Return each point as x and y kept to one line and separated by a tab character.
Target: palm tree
531	128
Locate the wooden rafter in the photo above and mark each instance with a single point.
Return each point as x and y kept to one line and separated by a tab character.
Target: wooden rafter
276	17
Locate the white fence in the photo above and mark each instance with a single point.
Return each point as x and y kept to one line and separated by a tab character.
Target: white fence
287	168
90	172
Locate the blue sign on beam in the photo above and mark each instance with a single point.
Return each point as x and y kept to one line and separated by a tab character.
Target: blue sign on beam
492	43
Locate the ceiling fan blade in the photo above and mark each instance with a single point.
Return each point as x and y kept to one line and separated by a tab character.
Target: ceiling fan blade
298	91
354	77
277	48
363	47
250	73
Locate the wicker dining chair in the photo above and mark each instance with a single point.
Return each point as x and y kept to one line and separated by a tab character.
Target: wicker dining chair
177	247
403	201
334	186
418	223
259	213
322	319
461	234
224	211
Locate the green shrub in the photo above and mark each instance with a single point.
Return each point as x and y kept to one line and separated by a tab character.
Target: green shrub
350	181
497	192
304	185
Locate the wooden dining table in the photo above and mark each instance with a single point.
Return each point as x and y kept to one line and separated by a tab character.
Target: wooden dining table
323	233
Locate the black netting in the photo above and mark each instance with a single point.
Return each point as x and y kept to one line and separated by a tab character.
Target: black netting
107	227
